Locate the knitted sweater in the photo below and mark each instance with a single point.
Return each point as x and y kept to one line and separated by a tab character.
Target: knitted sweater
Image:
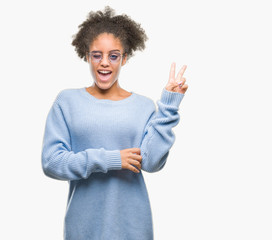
82	141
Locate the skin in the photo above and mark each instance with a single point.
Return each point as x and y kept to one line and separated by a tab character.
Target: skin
131	157
106	42
177	84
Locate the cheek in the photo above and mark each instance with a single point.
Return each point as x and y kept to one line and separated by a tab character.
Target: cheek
117	70
92	70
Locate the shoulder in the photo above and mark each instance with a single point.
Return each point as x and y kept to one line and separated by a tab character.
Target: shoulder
66	95
146	102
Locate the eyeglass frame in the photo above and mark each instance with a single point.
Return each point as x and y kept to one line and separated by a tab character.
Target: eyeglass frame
111	52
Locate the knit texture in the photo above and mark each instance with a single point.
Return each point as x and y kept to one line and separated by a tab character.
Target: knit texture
82	140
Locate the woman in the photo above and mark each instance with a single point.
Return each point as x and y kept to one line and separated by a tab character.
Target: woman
99	138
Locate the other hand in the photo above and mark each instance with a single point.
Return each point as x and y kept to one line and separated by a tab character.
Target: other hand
130	157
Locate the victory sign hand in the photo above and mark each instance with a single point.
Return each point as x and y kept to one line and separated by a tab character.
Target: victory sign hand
177	84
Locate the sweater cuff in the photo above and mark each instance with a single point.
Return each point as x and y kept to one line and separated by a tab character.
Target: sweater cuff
113	160
171	98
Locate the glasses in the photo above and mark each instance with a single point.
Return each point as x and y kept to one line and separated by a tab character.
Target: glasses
96	56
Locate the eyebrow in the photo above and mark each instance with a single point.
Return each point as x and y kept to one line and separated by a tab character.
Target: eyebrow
109	51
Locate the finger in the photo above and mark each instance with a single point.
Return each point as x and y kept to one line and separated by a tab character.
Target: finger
136	157
183	80
172	71
181	72
183	89
135	150
133	169
136	163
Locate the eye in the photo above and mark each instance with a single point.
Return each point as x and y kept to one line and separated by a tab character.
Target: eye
96	56
114	57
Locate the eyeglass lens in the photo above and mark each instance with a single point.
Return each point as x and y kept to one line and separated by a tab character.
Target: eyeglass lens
113	57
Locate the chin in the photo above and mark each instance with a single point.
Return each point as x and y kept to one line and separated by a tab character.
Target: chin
104	85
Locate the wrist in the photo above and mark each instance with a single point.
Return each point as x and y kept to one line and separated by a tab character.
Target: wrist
171	98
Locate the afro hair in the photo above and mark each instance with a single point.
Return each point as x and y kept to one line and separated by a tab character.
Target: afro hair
130	33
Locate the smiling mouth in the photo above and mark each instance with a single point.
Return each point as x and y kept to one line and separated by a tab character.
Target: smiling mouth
104	75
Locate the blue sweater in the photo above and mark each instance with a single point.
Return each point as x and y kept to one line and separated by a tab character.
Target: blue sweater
82	141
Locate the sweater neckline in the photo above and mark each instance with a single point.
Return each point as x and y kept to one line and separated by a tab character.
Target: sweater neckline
91	97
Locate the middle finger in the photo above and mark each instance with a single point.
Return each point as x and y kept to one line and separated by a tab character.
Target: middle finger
181	72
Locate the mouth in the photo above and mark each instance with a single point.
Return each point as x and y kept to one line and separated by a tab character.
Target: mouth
104	75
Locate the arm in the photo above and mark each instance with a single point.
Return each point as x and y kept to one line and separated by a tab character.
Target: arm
60	162
158	135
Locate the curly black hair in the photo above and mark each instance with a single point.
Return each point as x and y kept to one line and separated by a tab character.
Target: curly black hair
130	33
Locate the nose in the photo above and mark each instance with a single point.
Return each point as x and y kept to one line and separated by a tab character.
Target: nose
105	61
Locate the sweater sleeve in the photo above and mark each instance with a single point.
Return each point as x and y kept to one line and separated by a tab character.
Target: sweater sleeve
158	135
58	159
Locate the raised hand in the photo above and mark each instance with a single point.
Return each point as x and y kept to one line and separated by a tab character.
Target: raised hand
177	84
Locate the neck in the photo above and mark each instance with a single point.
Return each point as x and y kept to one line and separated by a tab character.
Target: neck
114	90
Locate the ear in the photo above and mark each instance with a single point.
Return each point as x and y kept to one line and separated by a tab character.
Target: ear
124	60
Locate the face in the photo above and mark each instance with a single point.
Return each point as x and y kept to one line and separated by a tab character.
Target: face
105	72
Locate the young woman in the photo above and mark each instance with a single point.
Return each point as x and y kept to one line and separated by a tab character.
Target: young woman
99	138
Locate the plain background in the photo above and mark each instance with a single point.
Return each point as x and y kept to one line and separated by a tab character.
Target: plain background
217	180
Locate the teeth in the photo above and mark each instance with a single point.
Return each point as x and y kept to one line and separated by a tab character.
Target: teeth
105	72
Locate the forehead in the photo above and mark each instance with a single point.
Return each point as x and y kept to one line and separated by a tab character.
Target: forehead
106	42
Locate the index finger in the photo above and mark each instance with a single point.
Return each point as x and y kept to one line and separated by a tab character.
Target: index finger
135	150
172	71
